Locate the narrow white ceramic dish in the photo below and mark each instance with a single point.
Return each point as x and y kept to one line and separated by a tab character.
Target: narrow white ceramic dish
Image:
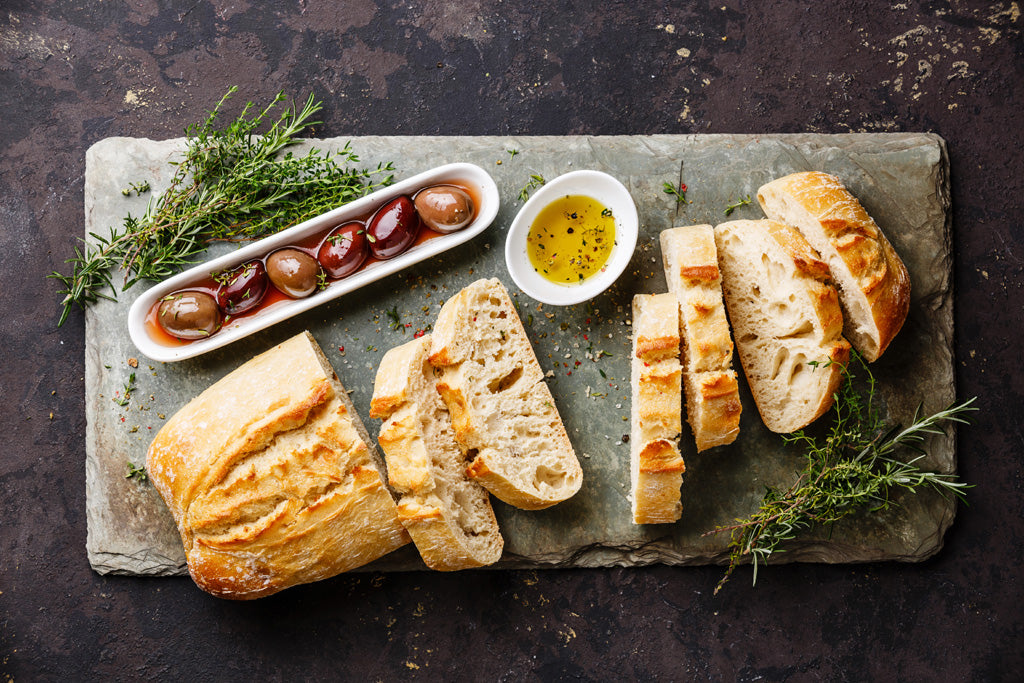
469	175
605	189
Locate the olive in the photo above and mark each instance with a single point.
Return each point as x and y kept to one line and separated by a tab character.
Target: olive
393	228
344	250
189	315
294	272
242	288
444	208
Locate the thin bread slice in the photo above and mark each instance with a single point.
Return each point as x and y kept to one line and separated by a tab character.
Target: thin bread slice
448	515
713	406
786	319
502	411
656	467
874	287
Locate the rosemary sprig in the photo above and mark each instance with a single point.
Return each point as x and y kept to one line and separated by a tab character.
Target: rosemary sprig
396	319
854	467
232	184
535	181
740	202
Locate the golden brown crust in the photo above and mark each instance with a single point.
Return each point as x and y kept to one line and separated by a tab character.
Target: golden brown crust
269	480
661	455
875	285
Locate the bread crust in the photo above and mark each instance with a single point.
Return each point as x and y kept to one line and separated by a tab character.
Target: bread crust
270	478
786	317
874	283
692	273
448	515
501	409
656	466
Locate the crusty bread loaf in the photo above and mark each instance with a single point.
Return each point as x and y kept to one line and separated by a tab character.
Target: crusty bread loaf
448	515
270	478
874	287
656	467
712	394
502	411
785	316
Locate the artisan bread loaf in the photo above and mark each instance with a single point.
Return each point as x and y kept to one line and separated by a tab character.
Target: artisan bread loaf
786	320
270	477
656	467
712	394
503	414
874	287
448	515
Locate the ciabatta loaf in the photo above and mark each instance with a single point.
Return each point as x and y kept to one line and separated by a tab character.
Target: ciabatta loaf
656	467
712	395
874	287
448	515
271	479
786	320
502	411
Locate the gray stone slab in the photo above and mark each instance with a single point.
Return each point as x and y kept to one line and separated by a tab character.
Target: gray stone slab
900	178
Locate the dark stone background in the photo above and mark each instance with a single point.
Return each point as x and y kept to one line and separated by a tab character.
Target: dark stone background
72	73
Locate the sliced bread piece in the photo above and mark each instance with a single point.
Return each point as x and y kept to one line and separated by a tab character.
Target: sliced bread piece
874	287
448	515
656	467
502	411
712	395
786	318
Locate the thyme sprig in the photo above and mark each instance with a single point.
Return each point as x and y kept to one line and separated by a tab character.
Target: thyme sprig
536	180
677	191
854	467
743	201
232	184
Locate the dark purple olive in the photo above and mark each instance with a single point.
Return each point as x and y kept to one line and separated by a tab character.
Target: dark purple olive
294	272
242	288
189	315
393	228
344	250
444	208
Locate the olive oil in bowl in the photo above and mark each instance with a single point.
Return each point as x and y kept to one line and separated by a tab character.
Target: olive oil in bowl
571	239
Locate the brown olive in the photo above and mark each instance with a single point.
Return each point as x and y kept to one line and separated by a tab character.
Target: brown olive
444	208
189	315
293	272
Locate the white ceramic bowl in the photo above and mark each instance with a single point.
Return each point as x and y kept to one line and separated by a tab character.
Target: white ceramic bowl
605	189
468	174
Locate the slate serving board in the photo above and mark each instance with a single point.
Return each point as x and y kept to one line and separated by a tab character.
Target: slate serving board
902	180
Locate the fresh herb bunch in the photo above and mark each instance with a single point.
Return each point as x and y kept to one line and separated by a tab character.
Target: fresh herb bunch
233	184
852	468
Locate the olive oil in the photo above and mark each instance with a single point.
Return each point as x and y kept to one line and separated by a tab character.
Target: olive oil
571	239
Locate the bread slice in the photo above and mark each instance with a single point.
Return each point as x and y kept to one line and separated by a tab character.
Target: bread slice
448	515
713	406
502	411
271	478
786	318
874	287
656	467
